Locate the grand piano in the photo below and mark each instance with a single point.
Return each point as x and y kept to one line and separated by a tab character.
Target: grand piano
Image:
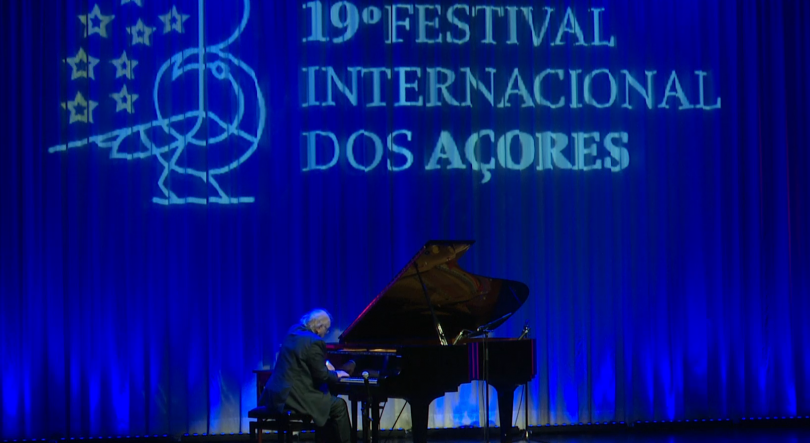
427	333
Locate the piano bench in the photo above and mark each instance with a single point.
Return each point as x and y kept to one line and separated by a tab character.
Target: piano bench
284	423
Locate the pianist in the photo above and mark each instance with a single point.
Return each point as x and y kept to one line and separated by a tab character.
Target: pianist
301	377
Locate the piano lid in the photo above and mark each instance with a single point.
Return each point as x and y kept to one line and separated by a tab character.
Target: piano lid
461	300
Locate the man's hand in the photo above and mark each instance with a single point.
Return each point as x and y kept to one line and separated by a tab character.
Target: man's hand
329	366
342	374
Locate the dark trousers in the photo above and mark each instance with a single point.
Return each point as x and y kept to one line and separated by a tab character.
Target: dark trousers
337	428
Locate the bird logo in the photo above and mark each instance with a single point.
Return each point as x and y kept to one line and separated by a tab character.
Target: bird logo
178	139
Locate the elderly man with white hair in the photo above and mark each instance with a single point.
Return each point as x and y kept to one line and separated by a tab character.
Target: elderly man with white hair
301	378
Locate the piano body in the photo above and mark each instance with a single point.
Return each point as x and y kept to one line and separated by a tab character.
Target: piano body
426	333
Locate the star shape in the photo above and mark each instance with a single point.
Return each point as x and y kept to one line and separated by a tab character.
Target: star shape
124	66
82	65
137	2
86	115
124	100
141	33
90	28
173	16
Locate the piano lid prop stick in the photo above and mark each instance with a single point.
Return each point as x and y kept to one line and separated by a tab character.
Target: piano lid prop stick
436	324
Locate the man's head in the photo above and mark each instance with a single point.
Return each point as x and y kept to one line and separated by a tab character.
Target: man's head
318	321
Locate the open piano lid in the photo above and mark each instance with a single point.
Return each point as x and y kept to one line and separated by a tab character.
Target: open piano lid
461	300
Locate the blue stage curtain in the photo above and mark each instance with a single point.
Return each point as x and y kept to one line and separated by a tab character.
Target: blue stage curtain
131	303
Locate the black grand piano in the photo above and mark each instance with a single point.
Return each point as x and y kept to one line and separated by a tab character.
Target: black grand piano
426	333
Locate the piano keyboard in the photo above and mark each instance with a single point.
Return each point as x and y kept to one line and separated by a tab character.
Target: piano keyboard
357	381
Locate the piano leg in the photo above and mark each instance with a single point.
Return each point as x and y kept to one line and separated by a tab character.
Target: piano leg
419	418
506	397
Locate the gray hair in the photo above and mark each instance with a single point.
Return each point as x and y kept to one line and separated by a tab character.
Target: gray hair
315	319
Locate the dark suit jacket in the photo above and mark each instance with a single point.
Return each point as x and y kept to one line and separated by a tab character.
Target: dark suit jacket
300	379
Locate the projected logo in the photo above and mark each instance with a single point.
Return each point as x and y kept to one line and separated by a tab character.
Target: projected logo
197	142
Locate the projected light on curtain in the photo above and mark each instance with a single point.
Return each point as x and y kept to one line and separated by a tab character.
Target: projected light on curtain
512	83
177	154
185	178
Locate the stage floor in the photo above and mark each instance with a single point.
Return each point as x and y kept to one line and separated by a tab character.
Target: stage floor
709	436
